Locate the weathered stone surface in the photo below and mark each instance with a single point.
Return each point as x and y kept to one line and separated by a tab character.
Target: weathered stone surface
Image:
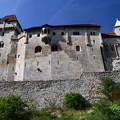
53	91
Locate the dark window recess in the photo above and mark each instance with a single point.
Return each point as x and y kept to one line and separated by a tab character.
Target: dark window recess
38	35
30	35
39	70
62	33
76	33
45	31
77	48
92	33
2	34
18	56
54	48
48	31
15	73
38	49
94	57
1	44
54	33
94	41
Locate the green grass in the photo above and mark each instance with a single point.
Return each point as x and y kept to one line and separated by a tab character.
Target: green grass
59	114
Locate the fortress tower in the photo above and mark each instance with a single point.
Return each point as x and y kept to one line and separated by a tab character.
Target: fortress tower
9	30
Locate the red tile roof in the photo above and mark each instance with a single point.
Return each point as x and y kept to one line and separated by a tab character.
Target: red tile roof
9	18
63	26
109	35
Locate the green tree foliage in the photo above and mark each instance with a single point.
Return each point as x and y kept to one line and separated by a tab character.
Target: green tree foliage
12	107
107	86
75	101
105	111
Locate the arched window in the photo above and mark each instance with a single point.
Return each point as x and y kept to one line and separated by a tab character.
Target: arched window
1	44
38	49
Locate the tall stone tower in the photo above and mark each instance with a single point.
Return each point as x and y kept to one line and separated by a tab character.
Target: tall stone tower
117	27
9	29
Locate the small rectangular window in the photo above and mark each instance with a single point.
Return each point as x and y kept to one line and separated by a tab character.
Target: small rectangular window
30	35
54	33
62	33
77	48
93	41
92	33
76	33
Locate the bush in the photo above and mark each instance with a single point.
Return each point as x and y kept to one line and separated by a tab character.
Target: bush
105	111
75	101
13	108
107	86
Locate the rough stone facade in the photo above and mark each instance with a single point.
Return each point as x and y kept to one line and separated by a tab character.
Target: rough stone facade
45	93
55	52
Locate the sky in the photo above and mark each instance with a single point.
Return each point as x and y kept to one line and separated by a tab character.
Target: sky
56	12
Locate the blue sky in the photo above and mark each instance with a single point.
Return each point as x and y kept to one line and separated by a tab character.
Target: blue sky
37	12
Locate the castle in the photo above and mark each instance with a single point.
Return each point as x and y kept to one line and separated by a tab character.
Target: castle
55	52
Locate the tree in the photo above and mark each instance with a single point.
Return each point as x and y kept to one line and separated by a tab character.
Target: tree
12	107
107	86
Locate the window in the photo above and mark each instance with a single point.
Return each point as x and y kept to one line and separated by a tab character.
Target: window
62	33
2	34
54	48
92	33
30	35
38	35
48	31
38	49
1	44
18	56
46	40
77	48
76	33
54	33
45	31
93	41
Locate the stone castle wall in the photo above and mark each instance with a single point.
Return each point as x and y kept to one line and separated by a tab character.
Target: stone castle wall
45	92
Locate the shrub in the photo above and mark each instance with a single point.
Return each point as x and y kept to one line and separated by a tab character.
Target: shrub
75	101
107	86
105	111
13	108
